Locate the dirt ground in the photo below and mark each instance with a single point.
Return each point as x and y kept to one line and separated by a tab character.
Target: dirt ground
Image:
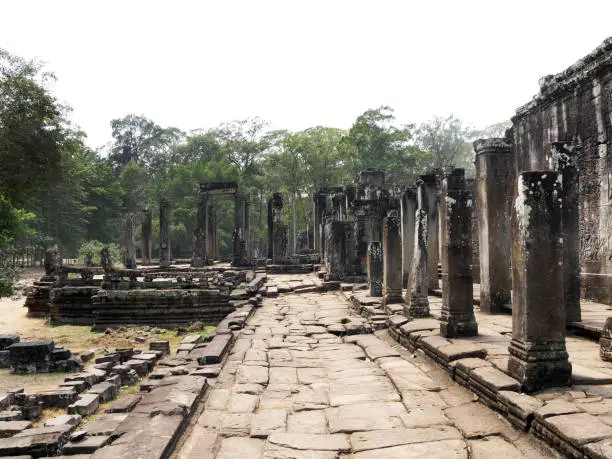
14	320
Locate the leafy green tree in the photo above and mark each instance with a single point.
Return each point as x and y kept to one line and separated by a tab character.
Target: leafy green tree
31	128
448	140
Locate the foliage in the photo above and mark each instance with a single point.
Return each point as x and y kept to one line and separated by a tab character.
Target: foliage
90	250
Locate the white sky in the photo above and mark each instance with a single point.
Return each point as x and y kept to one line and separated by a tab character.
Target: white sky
194	64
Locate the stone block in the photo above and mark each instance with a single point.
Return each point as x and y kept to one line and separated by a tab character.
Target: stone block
11	415
10	428
141	367
64	420
124	404
86	404
57	397
40	442
7	340
86	446
5	361
105	390
457	351
31	357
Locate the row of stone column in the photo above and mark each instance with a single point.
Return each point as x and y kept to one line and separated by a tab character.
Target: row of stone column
147	235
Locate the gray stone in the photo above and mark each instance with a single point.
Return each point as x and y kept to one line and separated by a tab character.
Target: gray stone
265	422
447	449
375	439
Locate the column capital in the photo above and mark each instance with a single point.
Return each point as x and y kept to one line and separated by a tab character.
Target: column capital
493	145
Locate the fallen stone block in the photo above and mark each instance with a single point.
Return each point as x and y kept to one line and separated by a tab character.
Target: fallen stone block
7	340
31	357
10	428
77	386
11	415
141	367
86	446
105	390
214	352
86	404
64	420
124	404
40	442
518	408
57	397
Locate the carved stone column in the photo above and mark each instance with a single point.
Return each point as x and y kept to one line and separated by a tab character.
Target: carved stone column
147	232
279	230
430	205
165	254
199	235
392	258
130	241
416	300
238	258
494	181
408	211
211	231
565	156
457	287
337	255
538	357
375	268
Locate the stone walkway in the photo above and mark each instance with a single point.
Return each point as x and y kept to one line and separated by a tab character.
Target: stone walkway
289	389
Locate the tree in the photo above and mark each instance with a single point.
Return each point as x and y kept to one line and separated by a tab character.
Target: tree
373	142
31	128
447	140
492	130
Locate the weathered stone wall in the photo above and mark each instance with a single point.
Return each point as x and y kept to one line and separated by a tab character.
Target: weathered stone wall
576	105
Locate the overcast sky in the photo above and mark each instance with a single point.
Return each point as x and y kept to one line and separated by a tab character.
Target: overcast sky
194	64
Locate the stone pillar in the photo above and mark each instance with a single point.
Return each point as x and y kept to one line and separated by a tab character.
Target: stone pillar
392	258
165	255
416	300
270	229
279	230
238	235
565	156
457	286
375	268
210	235
320	205
337	254
199	235
538	357
429	203
494	180
247	231
130	242
147	235
408	211
361	242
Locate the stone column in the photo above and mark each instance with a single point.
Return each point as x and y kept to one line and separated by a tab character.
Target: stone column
210	235
375	268
538	357
279	230
165	254
320	205
130	242
494	179
52	263
457	286
416	300
247	230
199	235
361	242
238	235
408	210
429	204
392	258
337	254
270	229
565	156
147	231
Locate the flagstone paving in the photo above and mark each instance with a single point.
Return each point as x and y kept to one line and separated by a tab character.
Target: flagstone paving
290	389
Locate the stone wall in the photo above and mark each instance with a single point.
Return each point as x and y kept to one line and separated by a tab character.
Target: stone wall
576	106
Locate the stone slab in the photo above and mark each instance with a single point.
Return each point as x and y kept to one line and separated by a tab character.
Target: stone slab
376	439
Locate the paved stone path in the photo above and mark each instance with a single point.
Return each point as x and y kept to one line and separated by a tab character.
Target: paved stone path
291	390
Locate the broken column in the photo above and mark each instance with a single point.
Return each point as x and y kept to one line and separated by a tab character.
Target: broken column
392	258
494	181
200	251
416	300
565	158
375	268
130	242
538	357
457	286
147	232
429	204
408	211
164	233
605	341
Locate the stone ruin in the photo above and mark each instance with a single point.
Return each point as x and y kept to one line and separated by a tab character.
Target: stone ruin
35	356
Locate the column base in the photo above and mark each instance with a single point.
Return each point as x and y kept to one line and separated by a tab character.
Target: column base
539	365
376	289
605	349
418	307
392	298
455	328
493	303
